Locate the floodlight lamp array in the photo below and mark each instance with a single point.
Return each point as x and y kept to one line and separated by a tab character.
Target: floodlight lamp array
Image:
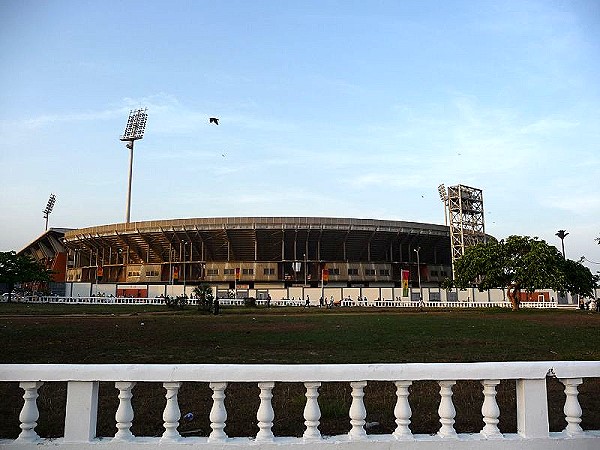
49	205
136	125
443	193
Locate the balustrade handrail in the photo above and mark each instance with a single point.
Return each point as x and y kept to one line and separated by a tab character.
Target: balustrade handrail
297	372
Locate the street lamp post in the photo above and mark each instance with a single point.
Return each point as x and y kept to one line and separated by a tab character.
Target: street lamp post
305	270
96	272
184	266
170	265
323	286
419	274
95	279
562	234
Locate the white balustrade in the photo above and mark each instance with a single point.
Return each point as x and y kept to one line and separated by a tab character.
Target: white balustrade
531	393
402	411
265	413
171	413
218	413
383	303
358	412
124	414
312	412
29	413
490	410
446	410
572	408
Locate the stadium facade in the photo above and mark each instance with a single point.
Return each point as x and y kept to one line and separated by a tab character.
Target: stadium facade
254	252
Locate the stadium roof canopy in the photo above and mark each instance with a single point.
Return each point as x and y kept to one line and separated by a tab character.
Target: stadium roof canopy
47	245
268	239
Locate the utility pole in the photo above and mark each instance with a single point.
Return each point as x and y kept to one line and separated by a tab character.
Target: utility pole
419	274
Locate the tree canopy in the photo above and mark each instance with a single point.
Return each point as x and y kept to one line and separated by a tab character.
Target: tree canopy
205	297
521	263
16	269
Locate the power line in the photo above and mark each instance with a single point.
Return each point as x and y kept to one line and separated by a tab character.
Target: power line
590	261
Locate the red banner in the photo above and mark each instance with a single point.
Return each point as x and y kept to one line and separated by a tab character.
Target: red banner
237	273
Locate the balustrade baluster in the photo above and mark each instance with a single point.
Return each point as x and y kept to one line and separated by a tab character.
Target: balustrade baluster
402	411
572	408
312	412
29	414
124	414
446	410
218	413
358	412
490	410
265	413
171	413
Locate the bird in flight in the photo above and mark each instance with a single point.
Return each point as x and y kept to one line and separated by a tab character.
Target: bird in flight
214	120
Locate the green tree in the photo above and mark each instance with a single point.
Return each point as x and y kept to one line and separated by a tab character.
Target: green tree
580	279
521	263
205	297
16	269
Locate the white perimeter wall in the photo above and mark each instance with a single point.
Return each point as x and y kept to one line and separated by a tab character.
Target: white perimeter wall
299	293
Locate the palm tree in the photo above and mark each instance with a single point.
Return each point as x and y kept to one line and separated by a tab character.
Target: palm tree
205	297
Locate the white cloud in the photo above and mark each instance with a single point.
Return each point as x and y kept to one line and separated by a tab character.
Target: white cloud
46	119
548	125
397	180
576	203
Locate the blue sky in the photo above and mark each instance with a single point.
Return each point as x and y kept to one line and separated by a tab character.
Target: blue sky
328	108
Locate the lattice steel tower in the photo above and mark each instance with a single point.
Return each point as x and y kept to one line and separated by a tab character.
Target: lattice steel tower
465	211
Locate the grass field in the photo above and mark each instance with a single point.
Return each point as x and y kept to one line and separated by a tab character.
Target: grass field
140	334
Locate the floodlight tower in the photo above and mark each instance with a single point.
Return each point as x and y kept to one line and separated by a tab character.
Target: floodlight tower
134	130
49	208
444	199
467	228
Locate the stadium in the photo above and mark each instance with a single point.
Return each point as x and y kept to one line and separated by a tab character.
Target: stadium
255	255
257	252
